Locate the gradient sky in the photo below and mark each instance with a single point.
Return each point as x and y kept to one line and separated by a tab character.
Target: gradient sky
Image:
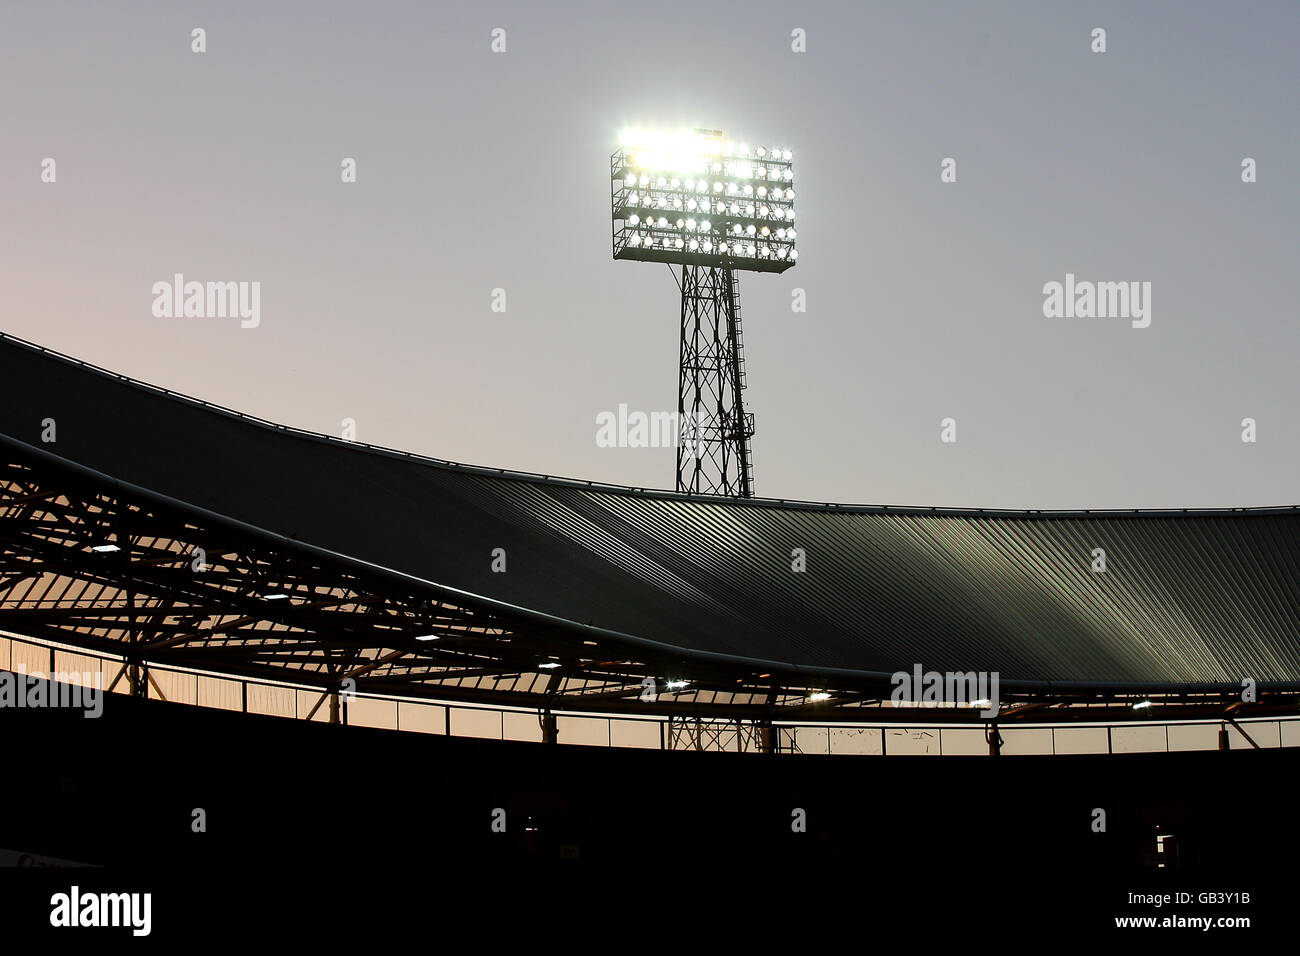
481	170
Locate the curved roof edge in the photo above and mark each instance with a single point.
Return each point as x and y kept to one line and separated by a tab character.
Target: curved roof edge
539	478
788	668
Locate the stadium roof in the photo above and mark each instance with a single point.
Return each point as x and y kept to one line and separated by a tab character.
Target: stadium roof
1188	597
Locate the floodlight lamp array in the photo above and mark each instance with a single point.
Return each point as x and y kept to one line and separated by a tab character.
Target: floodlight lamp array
695	198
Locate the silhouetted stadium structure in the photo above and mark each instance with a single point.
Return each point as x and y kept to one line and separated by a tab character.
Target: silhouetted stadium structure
172	532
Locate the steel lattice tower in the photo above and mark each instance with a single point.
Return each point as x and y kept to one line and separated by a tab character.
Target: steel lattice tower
709	209
713	455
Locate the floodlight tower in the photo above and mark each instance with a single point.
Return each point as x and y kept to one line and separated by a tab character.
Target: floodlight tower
712	208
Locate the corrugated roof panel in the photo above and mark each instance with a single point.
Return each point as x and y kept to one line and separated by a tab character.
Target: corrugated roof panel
1186	597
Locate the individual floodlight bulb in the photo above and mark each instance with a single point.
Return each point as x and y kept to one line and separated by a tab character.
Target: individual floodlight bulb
790	234
750	229
633	219
705	226
695	244
680	243
794	253
762	151
708	245
717	187
764	230
787	155
749	250
787	175
690	224
762	192
680	223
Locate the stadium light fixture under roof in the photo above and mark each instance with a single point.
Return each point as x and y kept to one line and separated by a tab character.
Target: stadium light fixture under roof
692	197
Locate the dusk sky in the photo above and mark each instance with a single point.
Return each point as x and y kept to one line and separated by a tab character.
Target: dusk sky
480	170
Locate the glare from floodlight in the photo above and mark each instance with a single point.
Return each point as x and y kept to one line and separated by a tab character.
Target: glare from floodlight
684	164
